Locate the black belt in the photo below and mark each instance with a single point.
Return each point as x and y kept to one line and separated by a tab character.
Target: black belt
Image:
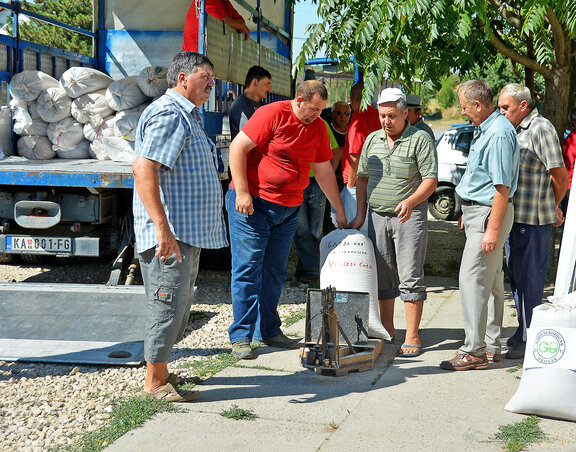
466	202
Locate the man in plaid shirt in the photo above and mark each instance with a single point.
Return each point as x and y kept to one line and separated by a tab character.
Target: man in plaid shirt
542	184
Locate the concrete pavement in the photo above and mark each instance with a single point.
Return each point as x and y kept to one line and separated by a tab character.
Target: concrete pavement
400	405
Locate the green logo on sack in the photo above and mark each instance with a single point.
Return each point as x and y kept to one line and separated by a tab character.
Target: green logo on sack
549	347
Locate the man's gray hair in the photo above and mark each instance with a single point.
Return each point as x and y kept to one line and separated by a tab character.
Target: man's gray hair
519	93
476	90
187	62
401	104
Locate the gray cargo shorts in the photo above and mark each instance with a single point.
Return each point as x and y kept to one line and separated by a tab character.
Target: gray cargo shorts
169	287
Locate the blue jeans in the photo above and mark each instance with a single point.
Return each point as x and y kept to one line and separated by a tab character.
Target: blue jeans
309	229
260	245
527	254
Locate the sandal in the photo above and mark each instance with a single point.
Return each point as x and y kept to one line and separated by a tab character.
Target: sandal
171	394
404	354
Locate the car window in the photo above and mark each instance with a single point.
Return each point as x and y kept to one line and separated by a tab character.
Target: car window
463	141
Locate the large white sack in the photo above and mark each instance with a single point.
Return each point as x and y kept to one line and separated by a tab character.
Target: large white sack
94	130
548	385
54	105
78	81
35	148
33	110
27	85
152	80
348	195
80	151
66	134
124	94
347	262
5	131
24	124
113	148
91	107
126	125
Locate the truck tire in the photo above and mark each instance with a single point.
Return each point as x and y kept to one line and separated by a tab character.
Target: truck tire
444	204
6	258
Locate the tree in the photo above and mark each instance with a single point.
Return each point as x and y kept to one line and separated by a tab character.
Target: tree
71	12
426	39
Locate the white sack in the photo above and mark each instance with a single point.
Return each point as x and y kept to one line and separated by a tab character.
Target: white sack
548	385
54	105
93	131
80	151
27	85
348	195
113	148
66	134
78	81
347	262
5	131
124	94
126	125
91	107
35	148
152	81
24	124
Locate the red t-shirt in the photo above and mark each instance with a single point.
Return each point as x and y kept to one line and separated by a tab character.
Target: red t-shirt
216	8
278	167
362	124
569	154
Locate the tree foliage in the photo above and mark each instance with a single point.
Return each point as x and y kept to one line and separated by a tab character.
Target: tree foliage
425	39
71	12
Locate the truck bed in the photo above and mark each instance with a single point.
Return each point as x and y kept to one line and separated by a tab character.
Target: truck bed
66	173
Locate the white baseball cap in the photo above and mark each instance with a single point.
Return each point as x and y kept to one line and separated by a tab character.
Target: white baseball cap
391	95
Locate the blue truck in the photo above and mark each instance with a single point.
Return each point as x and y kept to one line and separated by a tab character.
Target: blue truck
83	207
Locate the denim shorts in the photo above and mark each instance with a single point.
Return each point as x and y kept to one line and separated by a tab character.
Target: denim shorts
169	287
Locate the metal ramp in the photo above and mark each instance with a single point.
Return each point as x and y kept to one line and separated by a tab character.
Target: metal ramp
72	323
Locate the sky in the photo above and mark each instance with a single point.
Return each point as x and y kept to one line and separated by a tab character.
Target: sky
304	14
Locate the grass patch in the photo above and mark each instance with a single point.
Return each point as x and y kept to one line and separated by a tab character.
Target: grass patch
208	367
239	414
515	369
520	434
295	317
127	415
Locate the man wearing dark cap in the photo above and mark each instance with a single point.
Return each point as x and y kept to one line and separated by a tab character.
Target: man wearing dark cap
415	114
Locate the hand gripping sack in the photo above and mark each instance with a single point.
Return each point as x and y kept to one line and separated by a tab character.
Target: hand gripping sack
124	94
54	105
548	385
91	107
78	81
348	263
35	148
152	81
27	85
66	134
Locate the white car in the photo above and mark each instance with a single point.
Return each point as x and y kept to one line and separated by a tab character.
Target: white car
452	148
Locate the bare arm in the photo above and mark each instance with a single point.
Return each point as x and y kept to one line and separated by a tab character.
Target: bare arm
238	25
353	160
239	149
499	206
361	203
147	186
327	182
560	184
337	157
422	193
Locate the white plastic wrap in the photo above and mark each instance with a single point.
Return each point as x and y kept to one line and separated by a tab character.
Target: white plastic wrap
54	105
24	124
66	134
80	151
152	81
27	85
124	94
91	107
126	125
113	148
35	148
92	131
78	81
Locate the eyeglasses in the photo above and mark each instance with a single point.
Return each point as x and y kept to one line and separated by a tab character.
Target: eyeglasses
342	113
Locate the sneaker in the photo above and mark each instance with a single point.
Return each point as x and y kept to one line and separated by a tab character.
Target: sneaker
517	351
281	341
493	357
242	350
465	361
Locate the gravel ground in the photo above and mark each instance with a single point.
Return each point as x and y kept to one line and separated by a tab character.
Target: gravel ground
47	405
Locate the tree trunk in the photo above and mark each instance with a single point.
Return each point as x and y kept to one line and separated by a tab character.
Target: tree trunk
557	97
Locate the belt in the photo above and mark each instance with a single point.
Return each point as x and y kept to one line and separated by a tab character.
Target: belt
466	202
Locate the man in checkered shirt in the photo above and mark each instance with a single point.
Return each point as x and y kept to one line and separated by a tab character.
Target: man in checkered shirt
542	184
177	211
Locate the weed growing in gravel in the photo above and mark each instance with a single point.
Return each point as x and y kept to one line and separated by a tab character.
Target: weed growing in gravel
520	434
237	413
207	367
127	415
295	317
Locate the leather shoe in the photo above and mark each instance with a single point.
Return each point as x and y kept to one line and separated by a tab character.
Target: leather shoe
281	341
465	361
517	351
511	342
493	357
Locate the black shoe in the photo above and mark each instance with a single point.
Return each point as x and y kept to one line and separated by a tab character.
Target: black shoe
306	278
511	342
517	351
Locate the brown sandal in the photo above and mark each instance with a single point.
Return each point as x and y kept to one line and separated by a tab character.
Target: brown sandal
171	394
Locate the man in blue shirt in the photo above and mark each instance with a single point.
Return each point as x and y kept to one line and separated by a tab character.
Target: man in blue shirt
177	211
486	190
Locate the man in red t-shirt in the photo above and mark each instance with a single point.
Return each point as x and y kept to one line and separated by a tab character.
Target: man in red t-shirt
221	10
270	162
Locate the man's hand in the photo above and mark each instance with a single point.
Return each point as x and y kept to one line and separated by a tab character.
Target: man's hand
167	244
356	223
341	220
559	217
244	203
489	241
238	25
404	210
461	223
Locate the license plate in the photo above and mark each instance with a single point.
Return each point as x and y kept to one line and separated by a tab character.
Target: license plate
55	245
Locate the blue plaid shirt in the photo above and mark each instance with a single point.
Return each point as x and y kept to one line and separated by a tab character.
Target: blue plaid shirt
170	132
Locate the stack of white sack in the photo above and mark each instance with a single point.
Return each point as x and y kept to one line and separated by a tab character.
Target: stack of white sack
35	148
95	130
124	94
91	107
68	139
27	85
78	81
152	81
54	104
27	121
548	385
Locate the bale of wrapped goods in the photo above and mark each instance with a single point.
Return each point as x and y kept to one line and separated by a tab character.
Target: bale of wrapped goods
27	85
54	105
35	148
78	81
124	94
152	80
91	107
